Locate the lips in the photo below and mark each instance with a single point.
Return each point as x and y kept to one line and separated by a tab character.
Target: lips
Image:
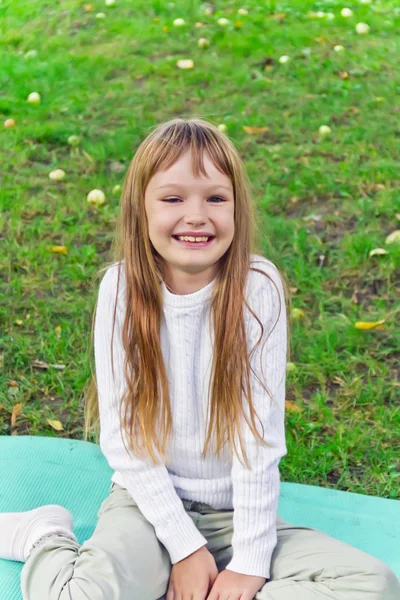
194	245
210	237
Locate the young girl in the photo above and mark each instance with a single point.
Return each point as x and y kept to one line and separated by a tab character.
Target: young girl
190	340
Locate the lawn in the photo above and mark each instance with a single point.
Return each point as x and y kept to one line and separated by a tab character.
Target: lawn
329	202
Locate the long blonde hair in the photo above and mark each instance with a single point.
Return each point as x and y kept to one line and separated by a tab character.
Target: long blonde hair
144	367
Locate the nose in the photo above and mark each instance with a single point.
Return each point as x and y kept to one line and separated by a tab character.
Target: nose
197	214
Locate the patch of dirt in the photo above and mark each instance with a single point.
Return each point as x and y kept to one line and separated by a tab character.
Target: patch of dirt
264	138
115	74
302	205
356	473
332	157
331	388
333	476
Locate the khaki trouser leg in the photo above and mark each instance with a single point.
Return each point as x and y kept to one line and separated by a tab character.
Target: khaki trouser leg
123	560
308	564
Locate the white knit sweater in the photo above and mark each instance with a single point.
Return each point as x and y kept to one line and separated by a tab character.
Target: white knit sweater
187	343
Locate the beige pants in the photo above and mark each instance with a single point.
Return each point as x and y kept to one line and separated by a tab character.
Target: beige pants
123	560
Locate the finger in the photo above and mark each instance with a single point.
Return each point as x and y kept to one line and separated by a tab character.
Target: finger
198	596
215	594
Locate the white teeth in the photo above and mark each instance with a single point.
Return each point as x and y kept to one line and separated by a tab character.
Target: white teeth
187	238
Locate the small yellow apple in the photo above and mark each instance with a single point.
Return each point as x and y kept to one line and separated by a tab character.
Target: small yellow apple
34	98
57	175
74	140
96	197
324	130
185	64
362	28
346	12
203	43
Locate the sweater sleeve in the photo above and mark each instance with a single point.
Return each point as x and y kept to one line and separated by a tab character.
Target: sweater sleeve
150	485
256	492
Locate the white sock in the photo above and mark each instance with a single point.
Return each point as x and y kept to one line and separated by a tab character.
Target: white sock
19	531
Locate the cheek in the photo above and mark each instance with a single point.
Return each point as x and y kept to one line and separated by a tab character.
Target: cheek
161	223
226	223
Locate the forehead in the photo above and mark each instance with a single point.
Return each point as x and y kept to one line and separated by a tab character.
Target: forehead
181	173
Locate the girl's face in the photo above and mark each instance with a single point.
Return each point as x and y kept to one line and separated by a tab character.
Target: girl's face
177	202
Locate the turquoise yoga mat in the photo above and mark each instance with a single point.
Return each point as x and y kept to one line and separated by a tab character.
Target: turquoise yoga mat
38	470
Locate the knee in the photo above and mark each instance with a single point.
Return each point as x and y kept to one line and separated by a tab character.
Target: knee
384	582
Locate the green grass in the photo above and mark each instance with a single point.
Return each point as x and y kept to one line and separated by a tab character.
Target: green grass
325	202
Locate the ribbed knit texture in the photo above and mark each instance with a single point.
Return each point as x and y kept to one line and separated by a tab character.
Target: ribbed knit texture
187	345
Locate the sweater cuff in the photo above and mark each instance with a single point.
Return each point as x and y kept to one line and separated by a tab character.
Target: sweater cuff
180	537
252	560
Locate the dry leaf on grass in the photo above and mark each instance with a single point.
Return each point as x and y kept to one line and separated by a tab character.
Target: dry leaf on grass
15	412
368	324
292	406
43	365
55	424
255	129
59	249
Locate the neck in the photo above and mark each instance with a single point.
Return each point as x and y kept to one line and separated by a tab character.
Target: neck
172	291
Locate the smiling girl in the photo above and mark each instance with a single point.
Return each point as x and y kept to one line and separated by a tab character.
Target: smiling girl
191	343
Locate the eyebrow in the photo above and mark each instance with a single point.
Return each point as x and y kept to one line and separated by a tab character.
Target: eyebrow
178	185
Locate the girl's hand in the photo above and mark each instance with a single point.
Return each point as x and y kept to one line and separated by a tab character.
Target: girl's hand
193	577
235	586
